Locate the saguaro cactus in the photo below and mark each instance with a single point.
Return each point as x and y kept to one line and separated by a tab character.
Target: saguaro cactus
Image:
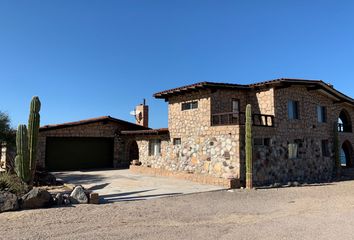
248	143
33	128
22	158
336	150
26	142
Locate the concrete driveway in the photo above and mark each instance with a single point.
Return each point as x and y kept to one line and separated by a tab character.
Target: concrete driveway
122	185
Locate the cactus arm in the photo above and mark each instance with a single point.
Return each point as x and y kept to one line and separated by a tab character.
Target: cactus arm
22	157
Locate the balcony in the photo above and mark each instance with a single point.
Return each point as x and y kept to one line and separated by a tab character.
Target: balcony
239	118
342	128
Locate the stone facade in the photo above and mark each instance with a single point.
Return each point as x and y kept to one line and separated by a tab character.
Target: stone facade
218	151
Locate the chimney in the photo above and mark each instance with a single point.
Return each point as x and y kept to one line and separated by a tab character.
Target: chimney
142	114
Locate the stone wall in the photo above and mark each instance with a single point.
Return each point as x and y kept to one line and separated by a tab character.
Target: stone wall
218	151
204	149
272	163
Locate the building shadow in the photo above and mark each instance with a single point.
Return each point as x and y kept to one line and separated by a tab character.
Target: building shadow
131	196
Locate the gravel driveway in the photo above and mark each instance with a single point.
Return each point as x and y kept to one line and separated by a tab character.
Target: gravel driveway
316	212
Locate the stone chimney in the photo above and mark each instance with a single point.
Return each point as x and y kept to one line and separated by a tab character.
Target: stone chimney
142	114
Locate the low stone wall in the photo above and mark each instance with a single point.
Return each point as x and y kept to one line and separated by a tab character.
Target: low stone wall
203	179
217	156
272	164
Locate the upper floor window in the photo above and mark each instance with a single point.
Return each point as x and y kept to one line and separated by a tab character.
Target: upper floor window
235	105
189	105
321	114
155	147
293	109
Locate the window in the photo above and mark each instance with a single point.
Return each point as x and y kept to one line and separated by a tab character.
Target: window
176	141
292	150
261	141
293	109
325	148
235	105
321	114
189	105
155	147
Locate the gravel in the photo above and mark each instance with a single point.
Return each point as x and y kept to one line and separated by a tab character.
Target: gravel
312	212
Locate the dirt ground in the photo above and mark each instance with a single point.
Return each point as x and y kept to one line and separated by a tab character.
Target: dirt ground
315	212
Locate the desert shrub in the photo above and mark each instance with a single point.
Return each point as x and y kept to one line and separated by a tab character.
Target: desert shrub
12	183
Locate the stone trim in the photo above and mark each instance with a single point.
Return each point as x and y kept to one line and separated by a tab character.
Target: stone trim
203	179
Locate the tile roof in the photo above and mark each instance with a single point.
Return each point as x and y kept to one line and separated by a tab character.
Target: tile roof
91	120
271	83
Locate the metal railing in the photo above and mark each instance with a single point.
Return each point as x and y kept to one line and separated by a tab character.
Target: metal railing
238	118
344	127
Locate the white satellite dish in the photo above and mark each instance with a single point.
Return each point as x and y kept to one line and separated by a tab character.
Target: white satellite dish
136	114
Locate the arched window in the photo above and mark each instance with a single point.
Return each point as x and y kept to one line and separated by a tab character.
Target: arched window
344	122
346	153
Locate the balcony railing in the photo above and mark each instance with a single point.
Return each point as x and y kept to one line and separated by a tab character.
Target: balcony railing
344	127
238	118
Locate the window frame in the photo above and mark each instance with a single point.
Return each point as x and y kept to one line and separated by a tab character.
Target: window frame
321	114
293	110
155	147
235	100
177	141
266	142
295	155
189	105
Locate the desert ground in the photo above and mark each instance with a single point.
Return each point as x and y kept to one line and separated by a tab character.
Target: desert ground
310	212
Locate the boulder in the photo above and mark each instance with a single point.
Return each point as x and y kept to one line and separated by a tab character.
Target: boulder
8	201
59	199
78	195
36	198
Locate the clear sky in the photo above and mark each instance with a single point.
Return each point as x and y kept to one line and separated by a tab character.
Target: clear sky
92	58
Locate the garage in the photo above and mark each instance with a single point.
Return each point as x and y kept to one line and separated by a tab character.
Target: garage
94	143
73	153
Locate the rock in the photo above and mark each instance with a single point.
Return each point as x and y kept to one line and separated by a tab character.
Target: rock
296	184
8	201
276	185
94	198
78	195
36	198
59	199
66	200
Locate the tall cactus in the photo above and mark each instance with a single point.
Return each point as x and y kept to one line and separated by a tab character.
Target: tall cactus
26	142
248	140
336	150
22	165
33	128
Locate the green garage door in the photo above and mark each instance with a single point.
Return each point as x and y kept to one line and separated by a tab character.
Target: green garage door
76	153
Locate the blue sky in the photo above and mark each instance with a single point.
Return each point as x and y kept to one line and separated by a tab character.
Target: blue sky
92	58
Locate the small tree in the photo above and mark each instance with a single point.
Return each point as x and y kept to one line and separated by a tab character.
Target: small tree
7	134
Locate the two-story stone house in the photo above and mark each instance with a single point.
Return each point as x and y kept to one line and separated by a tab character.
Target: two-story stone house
294	123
